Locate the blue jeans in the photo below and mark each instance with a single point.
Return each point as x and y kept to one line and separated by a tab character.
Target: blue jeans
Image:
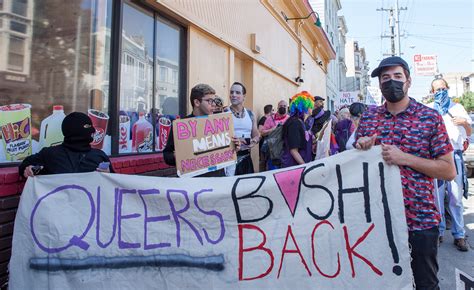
454	190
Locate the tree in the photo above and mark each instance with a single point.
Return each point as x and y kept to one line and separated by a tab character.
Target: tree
467	100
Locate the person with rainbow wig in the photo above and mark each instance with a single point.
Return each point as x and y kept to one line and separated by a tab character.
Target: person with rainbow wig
297	141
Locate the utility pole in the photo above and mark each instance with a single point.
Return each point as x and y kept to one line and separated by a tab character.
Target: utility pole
398	28
393	23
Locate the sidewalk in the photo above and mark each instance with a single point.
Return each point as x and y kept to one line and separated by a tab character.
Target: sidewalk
449	257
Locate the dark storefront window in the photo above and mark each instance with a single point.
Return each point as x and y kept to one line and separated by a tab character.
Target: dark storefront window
56	60
149	88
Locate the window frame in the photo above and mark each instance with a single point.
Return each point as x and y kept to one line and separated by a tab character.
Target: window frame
115	71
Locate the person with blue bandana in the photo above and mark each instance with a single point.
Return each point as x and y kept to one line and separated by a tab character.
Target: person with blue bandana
458	124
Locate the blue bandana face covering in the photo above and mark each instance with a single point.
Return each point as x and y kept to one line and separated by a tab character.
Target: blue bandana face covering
442	102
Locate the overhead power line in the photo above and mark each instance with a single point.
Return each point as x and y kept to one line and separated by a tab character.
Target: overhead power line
438	25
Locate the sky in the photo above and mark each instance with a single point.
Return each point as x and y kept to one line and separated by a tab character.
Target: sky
441	27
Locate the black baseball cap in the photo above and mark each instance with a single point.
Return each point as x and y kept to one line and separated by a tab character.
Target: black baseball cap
388	62
318	98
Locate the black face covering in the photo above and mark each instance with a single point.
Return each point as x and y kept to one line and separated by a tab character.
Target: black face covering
282	110
392	90
77	130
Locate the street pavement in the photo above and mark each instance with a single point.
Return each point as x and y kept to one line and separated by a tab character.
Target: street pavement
449	257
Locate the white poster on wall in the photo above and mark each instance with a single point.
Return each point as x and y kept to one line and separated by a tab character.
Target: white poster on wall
336	223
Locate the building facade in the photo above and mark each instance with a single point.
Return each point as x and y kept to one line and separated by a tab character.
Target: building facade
358	77
341	57
328	10
135	62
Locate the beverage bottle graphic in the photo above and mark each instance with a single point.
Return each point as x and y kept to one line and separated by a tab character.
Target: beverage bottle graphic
50	129
142	135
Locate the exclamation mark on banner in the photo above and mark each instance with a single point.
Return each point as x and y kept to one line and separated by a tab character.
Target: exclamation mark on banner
397	270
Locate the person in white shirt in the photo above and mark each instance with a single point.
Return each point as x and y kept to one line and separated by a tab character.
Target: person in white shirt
458	124
245	128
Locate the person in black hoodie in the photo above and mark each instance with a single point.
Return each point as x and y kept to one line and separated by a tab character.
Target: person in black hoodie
74	155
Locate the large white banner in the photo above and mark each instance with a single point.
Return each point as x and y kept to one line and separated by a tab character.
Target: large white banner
336	223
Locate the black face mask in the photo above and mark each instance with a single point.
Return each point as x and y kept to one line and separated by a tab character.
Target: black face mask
392	90
77	129
282	110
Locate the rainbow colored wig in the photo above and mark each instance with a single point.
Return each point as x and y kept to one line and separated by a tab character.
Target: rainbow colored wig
300	103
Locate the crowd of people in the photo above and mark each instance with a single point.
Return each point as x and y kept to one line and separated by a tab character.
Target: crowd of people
426	143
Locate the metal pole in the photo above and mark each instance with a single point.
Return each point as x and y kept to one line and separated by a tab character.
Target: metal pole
392	30
398	30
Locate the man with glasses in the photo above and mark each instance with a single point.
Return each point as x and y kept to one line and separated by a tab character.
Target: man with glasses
414	138
458	124
203	103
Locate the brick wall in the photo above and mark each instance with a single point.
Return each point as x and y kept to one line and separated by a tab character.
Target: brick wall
11	186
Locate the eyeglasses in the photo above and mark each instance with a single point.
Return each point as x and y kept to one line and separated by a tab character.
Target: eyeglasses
209	101
218	102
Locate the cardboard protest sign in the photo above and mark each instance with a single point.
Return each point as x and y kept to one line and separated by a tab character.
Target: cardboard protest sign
336	223
203	144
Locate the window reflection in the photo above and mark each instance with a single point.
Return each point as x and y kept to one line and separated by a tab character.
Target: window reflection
56	61
136	129
150	50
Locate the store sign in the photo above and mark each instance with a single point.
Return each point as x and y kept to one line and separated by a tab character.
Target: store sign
203	144
15	78
345	99
425	65
335	223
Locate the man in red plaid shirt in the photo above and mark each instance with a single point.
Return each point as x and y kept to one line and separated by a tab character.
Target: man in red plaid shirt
413	137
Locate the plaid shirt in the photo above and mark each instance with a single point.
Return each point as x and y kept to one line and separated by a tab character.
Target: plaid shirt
419	131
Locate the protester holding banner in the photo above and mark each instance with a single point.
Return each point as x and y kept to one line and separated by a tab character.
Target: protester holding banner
203	103
458	124
413	137
297	140
245	128
74	155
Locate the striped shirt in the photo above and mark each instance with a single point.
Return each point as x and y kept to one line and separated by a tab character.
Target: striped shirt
419	131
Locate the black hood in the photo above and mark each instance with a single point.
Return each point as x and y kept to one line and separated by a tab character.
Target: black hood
77	130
